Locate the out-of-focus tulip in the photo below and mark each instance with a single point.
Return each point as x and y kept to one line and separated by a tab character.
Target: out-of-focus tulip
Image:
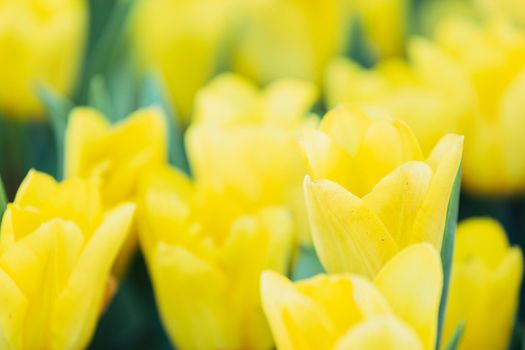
57	247
486	272
470	82
41	42
493	59
183	41
205	267
290	38
373	191
244	143
385	24
115	154
424	92
399	310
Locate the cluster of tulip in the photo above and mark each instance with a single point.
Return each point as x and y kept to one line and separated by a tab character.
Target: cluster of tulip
289	170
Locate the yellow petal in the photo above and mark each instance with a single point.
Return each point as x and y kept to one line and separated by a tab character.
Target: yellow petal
445	161
85	127
192	297
325	158
412	282
297	322
397	198
384	146
287	101
12	313
77	308
347	235
35	189
482	238
380	333
227	99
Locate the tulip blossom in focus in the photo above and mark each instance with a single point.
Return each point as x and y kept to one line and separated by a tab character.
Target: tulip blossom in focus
398	310
372	191
57	247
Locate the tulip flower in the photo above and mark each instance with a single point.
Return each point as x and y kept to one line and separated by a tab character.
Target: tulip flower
41	42
399	310
116	154
315	32
372	191
244	142
57	246
385	24
469	81
205	262
486	271
423	91
492	57
183	41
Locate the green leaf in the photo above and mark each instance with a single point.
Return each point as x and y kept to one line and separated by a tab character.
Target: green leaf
3	199
307	264
447	250
456	337
58	108
153	95
99	97
359	49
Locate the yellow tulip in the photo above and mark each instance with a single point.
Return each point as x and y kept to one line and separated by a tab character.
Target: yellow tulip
290	38
471	81
385	24
373	192
486	272
57	246
492	58
205	262
117	154
399	310
183	41
41	42
424	91
244	142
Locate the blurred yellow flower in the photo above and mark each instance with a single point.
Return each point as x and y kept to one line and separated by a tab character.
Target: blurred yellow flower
485	284
183	41
373	191
117	154
41	42
57	247
492	58
205	262
399	310
290	38
385	24
244	142
470	82
424	91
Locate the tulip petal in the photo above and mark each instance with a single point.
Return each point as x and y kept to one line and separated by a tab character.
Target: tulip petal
287	101
347	235
326	159
397	198
35	189
85	127
385	333
12	313
77	308
193	300
412	282
297	322
445	161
